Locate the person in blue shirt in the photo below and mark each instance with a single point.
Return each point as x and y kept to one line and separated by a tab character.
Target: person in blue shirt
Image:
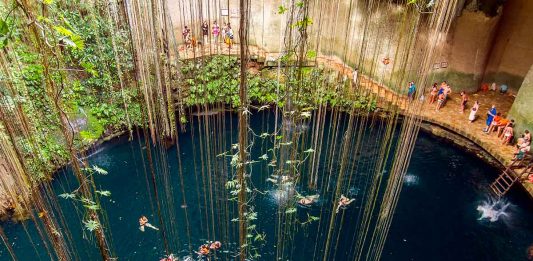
490	116
412	90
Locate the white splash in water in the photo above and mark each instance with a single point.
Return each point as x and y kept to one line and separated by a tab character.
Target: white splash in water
493	210
410	180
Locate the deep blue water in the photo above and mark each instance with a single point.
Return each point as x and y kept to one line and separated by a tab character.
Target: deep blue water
436	217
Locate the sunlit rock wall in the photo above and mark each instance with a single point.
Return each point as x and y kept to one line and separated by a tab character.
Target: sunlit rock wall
465	53
522	109
512	52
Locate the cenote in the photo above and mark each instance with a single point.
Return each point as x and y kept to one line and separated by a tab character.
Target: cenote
436	218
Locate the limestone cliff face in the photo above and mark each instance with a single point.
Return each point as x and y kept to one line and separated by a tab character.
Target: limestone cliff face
511	55
522	109
466	50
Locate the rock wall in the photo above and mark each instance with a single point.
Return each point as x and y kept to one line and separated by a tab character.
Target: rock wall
512	52
522	109
466	50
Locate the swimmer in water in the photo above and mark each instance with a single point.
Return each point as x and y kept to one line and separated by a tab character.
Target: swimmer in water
215	245
204	250
308	200
343	202
143	222
170	257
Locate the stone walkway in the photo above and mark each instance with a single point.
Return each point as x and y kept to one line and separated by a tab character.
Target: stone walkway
448	117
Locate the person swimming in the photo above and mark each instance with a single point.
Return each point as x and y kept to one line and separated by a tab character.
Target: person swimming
343	202
308	200
215	245
204	250
143	222
170	257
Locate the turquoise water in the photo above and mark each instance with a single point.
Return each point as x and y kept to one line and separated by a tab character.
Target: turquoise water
436	217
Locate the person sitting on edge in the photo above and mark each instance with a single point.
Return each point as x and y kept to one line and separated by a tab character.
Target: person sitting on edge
503	88
507	134
495	123
501	125
343	202
520	141
527	136
490	116
143	222
522	150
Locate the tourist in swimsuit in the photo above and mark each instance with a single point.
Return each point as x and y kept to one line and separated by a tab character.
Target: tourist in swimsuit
507	134
343	202
204	250
447	92
440	101
143	222
433	94
490	116
215	245
473	112
463	101
308	200
170	257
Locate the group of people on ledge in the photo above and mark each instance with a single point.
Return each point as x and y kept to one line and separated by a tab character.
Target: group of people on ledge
495	122
225	34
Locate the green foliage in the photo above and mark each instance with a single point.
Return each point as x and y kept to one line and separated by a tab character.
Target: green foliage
85	69
99	170
91	225
4	33
282	9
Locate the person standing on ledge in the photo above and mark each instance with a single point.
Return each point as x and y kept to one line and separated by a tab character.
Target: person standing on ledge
216	32
205	33
412	90
464	100
490	116
473	111
433	94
